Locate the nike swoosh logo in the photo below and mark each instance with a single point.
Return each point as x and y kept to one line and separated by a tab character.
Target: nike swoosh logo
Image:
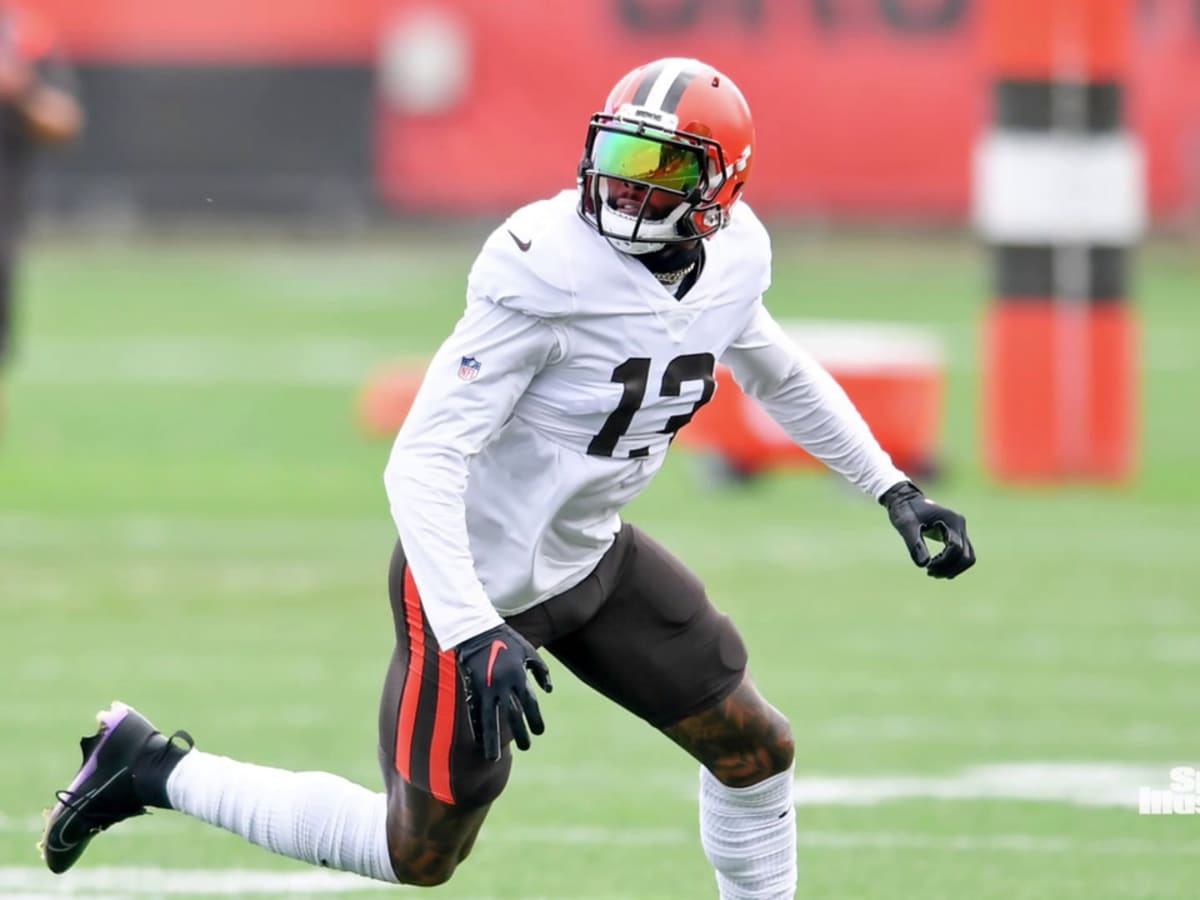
497	646
523	245
55	838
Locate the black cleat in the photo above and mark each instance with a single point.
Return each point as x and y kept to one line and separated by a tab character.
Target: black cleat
125	768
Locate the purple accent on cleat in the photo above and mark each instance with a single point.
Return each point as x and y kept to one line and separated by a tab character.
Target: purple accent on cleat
125	765
110	719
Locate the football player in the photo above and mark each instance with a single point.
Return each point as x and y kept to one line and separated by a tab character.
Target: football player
592	325
37	107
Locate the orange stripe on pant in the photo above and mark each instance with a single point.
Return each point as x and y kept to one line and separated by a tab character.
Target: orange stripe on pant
443	728
406	720
445	705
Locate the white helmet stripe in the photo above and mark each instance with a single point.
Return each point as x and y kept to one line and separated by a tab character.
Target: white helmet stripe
661	89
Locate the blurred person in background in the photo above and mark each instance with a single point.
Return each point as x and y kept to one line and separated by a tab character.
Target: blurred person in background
593	324
38	106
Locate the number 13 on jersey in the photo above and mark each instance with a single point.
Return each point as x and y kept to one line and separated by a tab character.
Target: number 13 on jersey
633	375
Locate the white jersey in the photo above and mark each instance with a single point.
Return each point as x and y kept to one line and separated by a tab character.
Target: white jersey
553	402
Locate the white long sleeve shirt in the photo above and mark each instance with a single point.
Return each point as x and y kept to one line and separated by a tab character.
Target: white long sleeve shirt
554	400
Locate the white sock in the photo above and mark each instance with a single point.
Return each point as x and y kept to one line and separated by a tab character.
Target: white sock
749	836
314	817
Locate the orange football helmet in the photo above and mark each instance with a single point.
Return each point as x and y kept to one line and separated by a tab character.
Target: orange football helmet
667	159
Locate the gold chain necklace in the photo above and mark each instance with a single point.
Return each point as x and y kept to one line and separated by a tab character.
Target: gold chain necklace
676	276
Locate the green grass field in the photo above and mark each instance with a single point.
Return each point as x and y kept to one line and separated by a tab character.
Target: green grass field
191	521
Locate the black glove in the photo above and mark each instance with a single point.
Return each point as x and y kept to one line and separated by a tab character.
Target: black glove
914	515
493	667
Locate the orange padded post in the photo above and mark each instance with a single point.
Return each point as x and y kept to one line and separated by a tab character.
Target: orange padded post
1059	197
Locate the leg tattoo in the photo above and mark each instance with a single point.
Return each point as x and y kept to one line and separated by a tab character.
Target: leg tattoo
741	740
427	838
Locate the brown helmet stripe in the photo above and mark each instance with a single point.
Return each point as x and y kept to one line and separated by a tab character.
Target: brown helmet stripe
675	91
647	82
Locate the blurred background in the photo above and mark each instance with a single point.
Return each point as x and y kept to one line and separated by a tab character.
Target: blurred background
331	112
229	278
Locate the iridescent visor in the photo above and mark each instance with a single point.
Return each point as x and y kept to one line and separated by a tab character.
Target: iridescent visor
646	159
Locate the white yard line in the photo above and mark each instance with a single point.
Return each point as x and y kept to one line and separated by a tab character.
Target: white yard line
1074	784
987	843
158	882
35	882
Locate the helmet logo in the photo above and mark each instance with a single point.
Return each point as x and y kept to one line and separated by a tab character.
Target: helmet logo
665	121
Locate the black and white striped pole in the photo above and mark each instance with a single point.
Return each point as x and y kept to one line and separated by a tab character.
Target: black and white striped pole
1059	197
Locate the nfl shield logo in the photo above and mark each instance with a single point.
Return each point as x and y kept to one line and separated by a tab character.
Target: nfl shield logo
468	369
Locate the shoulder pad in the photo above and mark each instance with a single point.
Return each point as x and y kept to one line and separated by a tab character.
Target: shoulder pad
528	263
753	244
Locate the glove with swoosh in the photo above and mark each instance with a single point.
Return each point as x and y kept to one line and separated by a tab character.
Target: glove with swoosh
492	666
915	516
